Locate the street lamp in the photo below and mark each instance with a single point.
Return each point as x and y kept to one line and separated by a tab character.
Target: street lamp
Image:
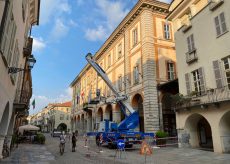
30	61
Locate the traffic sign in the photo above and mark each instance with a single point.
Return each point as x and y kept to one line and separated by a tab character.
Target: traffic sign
120	144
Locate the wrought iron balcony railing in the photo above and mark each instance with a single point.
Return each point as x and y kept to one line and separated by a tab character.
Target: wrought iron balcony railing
191	56
22	97
211	96
27	50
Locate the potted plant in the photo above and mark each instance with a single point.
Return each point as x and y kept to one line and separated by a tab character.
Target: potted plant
160	135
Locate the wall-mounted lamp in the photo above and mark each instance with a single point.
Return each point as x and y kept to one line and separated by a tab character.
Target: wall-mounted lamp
31	61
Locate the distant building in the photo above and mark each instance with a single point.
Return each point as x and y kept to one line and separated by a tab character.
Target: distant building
203	58
16	20
54	116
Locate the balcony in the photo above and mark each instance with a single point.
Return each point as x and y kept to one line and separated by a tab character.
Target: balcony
212	97
21	101
27	50
191	56
214	4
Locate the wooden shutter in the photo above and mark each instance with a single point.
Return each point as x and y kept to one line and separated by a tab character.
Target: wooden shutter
222	22
217	23
192	42
189	44
202	80
217	73
187	81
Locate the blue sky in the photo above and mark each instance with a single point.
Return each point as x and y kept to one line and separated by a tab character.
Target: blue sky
68	30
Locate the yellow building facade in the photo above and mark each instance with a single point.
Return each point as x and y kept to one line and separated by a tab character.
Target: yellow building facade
137	57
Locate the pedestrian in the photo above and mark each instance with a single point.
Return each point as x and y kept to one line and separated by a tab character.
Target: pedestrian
74	140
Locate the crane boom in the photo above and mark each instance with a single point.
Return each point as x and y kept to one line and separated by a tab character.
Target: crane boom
119	98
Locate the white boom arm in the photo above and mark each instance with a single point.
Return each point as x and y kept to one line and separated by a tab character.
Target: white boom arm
103	75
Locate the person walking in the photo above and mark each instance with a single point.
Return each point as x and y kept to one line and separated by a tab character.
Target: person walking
74	140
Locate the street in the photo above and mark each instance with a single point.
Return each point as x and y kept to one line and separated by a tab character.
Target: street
49	153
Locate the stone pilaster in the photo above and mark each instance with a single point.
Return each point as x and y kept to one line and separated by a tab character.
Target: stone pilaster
127	71
151	115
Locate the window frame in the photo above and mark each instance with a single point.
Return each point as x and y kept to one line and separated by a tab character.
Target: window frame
134	36
136	78
220	24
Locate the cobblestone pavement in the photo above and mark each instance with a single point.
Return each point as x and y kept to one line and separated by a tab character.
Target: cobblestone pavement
49	153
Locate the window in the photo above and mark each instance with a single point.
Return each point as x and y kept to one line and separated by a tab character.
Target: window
135	37
198	81
190	42
166	31
136	74
220	24
226	63
119	51
120	83
61	116
170	68
15	59
109	60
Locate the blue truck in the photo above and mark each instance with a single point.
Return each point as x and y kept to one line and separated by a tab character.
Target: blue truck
110	132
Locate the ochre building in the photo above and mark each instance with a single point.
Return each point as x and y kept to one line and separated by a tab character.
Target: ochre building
138	56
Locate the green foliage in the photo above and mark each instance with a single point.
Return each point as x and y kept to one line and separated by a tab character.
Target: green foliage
179	99
161	134
40	138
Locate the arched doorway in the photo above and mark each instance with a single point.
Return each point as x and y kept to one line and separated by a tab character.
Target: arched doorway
62	127
77	123
200	132
109	112
225	132
169	116
99	115
90	120
137	104
117	114
82	122
4	120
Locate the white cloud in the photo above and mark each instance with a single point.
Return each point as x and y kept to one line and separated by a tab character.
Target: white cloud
112	12
38	44
53	8
95	34
73	23
59	30
166	1
42	101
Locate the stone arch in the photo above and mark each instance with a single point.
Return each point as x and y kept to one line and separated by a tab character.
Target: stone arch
224	127
109	112
137	104
168	115
99	115
117	113
200	132
62	127
5	120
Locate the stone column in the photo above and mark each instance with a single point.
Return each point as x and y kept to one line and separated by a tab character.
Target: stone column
151	115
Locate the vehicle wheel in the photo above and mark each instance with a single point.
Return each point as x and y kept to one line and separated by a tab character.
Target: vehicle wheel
110	145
